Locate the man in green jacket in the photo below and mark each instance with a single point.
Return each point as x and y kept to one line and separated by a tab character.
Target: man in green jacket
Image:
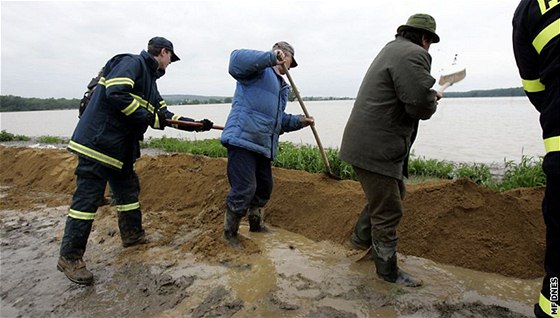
396	93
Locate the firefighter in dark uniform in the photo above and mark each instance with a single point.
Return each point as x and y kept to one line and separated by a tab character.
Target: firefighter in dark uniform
107	142
536	44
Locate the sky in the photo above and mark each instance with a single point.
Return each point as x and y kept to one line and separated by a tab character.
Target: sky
53	48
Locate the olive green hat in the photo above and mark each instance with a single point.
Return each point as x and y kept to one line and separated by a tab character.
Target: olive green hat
423	22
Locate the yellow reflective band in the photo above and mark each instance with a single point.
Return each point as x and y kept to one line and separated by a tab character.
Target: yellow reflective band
94	154
175	117
131	108
546	35
548	307
156	122
546	5
128	207
88	216
162	104
102	81
144	103
552	144
119	81
533	86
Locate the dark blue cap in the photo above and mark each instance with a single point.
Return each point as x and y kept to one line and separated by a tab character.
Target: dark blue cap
161	42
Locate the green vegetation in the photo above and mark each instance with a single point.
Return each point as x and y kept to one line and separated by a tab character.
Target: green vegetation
12	103
52	140
527	173
500	92
6	136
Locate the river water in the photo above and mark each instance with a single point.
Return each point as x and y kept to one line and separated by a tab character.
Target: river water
482	130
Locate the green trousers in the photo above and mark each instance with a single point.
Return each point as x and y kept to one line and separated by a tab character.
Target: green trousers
380	217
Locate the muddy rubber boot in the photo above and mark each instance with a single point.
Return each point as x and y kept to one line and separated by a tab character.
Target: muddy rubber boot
256	220
130	227
75	270
361	237
385	259
231	226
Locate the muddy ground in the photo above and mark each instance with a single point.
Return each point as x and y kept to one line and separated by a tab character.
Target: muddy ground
479	252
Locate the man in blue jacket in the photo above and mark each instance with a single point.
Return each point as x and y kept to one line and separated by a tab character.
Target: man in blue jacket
107	142
251	133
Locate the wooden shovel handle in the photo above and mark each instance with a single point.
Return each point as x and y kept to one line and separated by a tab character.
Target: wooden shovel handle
191	124
319	144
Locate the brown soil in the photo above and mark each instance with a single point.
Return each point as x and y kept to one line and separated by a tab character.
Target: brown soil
452	222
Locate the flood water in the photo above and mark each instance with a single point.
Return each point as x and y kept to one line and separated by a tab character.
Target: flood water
483	130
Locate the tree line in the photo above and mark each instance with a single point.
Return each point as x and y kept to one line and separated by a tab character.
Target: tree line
10	103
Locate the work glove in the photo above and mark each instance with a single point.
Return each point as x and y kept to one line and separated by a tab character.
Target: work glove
157	120
206	125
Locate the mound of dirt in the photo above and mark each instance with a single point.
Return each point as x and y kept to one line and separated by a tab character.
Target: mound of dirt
453	222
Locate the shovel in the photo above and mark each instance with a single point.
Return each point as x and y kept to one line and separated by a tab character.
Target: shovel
328	171
192	124
447	80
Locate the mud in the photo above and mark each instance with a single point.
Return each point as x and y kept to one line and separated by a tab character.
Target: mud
479	252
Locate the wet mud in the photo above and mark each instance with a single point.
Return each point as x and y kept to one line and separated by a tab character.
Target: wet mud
303	268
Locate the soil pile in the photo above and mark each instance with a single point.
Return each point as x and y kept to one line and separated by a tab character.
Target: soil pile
453	222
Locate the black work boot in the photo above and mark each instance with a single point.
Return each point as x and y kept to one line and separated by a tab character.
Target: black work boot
75	270
130	227
231	226
385	259
361	238
256	220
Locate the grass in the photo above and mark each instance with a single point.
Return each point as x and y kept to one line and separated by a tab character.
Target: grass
6	136
52	140
527	173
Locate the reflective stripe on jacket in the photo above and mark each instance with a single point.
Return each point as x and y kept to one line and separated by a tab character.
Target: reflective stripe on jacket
536	45
119	112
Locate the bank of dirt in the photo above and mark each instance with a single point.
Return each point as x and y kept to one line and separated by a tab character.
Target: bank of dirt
183	198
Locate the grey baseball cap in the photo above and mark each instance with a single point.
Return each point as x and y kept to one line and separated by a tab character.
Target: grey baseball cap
285	46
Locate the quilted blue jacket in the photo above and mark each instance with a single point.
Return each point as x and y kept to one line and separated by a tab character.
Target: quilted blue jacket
257	116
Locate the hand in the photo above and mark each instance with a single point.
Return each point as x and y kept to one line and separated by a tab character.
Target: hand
439	95
157	120
306	121
280	56
206	125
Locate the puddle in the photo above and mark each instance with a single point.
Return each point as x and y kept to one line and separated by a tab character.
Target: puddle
291	277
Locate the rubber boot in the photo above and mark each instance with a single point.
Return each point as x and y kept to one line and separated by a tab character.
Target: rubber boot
130	227
256	220
75	270
231	226
361	238
385	258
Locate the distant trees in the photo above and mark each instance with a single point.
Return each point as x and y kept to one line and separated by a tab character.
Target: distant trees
500	92
10	103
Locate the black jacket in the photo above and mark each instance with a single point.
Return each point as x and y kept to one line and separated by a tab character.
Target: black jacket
121	109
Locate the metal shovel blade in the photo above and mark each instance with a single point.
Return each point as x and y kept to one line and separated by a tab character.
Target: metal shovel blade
452	78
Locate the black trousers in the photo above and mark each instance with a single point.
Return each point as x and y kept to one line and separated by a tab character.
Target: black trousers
550	123
250	179
91	181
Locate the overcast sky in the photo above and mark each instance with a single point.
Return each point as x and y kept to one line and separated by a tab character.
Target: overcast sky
52	49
